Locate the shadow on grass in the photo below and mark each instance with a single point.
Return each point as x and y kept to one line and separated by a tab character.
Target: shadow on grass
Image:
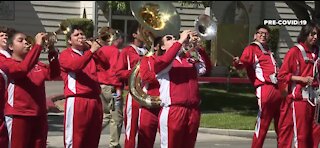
238	98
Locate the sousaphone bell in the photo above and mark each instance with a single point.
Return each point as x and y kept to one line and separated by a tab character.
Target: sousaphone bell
156	19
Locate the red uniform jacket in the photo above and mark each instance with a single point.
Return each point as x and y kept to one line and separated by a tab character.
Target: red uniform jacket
106	59
26	90
128	58
178	79
294	65
259	66
79	73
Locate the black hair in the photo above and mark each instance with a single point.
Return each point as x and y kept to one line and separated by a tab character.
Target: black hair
3	29
12	35
72	28
157	41
131	30
306	30
263	26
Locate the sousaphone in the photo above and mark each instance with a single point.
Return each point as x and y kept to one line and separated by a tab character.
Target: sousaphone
156	18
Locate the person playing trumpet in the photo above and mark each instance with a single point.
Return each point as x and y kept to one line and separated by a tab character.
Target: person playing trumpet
83	108
111	95
128	58
179	116
25	110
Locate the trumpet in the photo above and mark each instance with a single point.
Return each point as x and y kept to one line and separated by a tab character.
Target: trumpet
205	28
52	37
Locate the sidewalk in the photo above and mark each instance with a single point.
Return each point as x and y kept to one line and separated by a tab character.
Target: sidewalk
233	132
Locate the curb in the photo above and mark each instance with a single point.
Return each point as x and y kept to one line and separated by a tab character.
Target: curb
233	132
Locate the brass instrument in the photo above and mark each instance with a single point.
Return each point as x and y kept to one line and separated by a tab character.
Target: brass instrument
30	41
107	35
205	29
156	19
52	38
317	91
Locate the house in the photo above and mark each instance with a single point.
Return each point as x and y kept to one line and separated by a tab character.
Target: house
236	21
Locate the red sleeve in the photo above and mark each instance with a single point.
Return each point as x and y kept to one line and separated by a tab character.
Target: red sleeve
121	69
70	63
161	62
147	73
288	66
100	57
247	58
54	65
205	57
18	70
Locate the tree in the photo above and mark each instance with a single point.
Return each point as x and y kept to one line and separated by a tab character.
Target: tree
304	11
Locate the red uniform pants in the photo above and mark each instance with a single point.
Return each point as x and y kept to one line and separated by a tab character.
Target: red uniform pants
148	125
27	131
82	122
3	133
131	116
269	101
285	125
179	126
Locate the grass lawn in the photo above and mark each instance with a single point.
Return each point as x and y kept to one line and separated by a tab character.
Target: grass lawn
233	109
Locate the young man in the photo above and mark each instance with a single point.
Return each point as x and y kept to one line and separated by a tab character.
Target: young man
111	95
83	108
3	56
297	74
148	118
128	58
25	110
179	117
262	70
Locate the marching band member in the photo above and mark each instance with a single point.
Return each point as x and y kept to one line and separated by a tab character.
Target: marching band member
111	95
180	114
128	58
148	118
83	108
262	71
3	56
25	110
297	73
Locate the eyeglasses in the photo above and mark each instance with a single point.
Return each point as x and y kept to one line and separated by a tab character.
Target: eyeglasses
263	33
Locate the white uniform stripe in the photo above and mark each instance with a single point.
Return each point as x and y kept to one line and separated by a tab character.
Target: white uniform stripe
5	78
164	81
257	127
137	135
9	128
129	116
258	69
295	132
164	127
69	122
72	82
11	94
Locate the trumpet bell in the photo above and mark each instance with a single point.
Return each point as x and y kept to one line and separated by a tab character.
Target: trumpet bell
161	17
206	27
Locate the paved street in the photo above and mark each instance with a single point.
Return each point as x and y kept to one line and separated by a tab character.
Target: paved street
205	139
